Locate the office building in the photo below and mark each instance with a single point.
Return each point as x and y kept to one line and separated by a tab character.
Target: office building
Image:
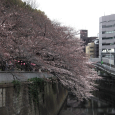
106	35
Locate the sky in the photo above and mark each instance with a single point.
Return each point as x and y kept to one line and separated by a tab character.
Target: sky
79	14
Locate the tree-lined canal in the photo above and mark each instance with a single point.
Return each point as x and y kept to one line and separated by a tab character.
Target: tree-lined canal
102	104
46	98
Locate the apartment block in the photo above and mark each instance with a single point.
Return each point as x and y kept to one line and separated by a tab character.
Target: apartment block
90	49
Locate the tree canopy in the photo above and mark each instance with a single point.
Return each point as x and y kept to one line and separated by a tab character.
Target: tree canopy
53	48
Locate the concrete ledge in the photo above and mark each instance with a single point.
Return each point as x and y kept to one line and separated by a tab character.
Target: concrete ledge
7	77
94	59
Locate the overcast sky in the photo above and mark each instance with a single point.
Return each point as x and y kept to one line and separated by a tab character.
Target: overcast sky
80	14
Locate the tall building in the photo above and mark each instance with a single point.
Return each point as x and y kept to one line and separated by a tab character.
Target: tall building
106	34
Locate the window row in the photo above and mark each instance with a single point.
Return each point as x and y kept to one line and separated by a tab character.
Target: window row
109	32
105	38
108	43
108	21
108	26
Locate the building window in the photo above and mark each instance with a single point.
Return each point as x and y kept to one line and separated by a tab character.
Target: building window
108	38
103	26
108	26
103	32
112	43
109	32
103	21
108	44
105	44
111	20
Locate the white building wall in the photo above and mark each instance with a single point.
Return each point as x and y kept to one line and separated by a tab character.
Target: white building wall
107	26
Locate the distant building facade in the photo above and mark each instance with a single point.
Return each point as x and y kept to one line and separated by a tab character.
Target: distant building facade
96	48
83	34
92	49
84	37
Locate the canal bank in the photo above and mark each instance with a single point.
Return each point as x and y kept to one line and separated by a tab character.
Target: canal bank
23	93
32	99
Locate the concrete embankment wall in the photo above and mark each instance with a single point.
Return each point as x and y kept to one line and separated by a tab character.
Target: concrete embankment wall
51	95
6	77
24	101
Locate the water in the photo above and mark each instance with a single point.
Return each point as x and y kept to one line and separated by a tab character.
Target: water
94	106
102	104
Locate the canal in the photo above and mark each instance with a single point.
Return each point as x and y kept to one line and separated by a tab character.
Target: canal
47	98
103	102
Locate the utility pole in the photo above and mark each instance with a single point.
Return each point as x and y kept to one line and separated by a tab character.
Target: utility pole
101	58
114	56
110	59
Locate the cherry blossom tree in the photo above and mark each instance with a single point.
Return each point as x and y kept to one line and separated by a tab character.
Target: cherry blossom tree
47	44
32	3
